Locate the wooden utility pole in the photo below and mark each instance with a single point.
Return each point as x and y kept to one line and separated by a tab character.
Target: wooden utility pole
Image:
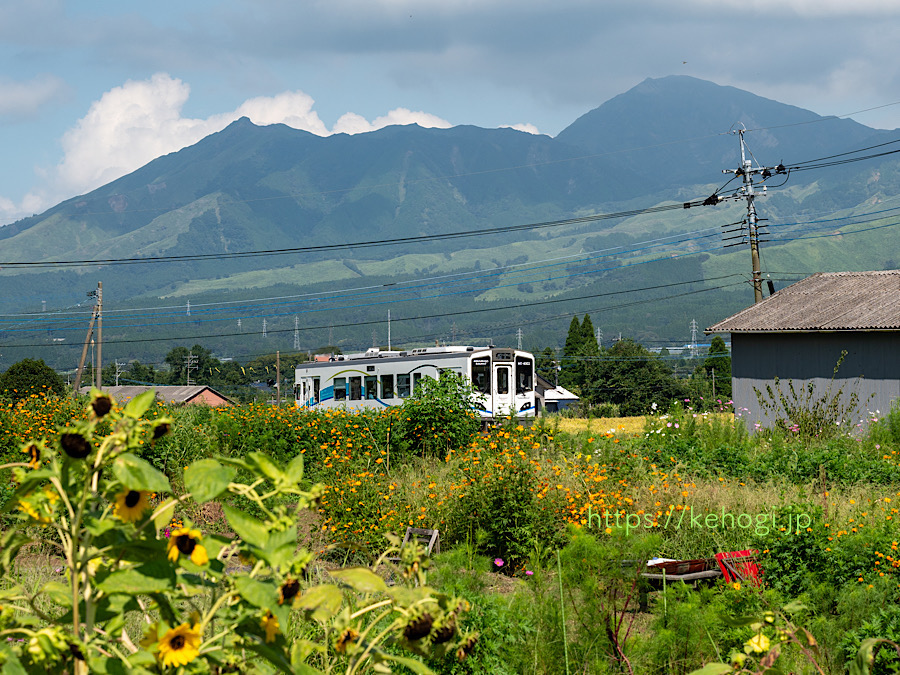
95	313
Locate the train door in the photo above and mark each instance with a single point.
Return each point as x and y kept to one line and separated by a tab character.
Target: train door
504	398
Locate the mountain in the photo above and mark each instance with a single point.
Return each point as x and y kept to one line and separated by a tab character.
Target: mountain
251	188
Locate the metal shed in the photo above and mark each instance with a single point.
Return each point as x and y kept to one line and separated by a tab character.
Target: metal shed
799	333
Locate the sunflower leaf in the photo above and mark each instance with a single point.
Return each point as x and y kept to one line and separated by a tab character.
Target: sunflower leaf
140	404
206	479
138	474
247	528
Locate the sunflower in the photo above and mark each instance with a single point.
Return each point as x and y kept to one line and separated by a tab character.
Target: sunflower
131	505
180	646
101	405
288	591
187	542
75	445
269	623
33	451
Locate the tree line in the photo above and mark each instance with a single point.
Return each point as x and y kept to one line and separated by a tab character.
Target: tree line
630	376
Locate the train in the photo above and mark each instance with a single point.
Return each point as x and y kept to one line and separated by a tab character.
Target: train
503	379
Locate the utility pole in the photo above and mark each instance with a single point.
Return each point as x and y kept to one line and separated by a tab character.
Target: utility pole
746	171
296	334
88	339
278	378
694	329
190	363
265	334
99	380
389	330
120	368
519	339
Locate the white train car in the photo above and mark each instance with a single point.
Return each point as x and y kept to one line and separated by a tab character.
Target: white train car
503	379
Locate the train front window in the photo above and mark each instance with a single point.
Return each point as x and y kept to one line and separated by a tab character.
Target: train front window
403	385
387	386
355	388
316	389
502	380
524	375
481	375
340	388
371	387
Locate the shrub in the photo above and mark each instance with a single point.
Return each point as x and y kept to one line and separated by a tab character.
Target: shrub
439	417
30	376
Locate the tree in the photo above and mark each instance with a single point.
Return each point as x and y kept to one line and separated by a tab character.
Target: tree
718	364
634	378
568	374
28	377
545	364
580	356
202	365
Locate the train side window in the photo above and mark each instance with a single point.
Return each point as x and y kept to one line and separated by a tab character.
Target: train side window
316	389
387	386
340	388
355	388
371	387
417	377
524	375
403	385
481	375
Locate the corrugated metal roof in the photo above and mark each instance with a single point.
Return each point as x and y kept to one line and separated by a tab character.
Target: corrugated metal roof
169	394
827	301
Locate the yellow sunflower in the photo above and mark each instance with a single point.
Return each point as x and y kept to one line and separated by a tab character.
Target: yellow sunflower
131	505
33	450
180	646
187	542
270	625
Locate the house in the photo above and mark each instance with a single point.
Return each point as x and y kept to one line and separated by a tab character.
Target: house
193	394
799	333
553	398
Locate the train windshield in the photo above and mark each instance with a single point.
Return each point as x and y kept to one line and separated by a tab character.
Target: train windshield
524	375
481	374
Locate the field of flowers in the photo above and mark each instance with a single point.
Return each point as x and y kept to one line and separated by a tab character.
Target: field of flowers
822	514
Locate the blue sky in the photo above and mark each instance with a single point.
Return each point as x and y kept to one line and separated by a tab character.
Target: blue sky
92	90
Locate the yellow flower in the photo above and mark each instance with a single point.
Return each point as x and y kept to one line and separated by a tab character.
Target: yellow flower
33	451
758	643
187	542
270	625
736	585
131	505
180	645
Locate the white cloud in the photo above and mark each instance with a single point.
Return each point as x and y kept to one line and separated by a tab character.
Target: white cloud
141	120
527	128
24	99
351	123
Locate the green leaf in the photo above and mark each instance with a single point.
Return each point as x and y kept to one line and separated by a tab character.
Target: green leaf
266	466
322	601
149	577
164	513
247	528
412	664
140	404
138	474
11	663
59	593
713	669
293	473
360	579
98	527
206	479
257	593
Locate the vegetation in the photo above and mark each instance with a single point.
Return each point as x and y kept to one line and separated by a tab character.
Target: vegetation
28	377
536	525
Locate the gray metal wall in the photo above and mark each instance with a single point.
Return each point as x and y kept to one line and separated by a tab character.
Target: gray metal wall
871	368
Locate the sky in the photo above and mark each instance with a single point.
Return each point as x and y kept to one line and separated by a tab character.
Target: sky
92	90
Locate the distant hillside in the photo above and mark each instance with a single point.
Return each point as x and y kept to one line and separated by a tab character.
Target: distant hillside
250	188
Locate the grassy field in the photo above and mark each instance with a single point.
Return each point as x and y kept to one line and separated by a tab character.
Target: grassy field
535	522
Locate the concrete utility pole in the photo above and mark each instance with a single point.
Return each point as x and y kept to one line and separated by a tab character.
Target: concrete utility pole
99	380
746	171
